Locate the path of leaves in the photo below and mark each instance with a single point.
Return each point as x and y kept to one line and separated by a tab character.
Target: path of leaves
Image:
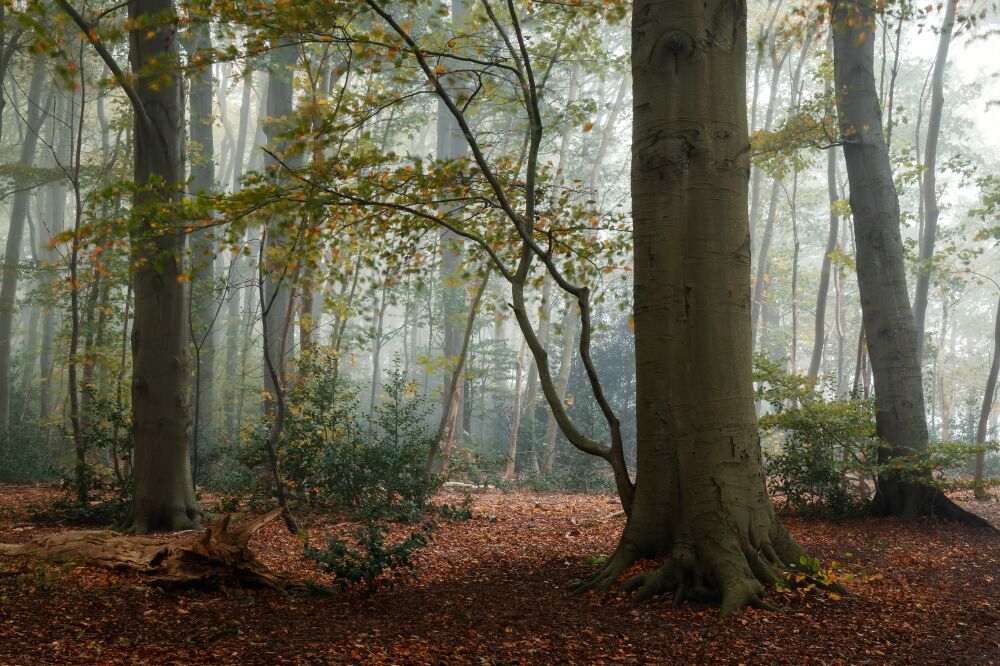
490	590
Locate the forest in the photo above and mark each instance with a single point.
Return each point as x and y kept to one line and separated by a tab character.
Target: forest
499	331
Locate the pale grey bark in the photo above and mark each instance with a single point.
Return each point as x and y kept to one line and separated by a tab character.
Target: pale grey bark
984	413
451	144
762	278
204	306
562	382
277	305
15	236
819	331
888	317
929	187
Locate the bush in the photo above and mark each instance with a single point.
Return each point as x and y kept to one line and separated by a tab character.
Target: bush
366	567
333	460
589	477
107	441
22	456
819	454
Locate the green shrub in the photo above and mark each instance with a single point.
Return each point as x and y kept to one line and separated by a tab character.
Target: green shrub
591	477
333	459
23	458
819	454
366	565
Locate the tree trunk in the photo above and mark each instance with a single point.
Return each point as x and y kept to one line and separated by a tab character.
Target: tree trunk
700	499
824	274
888	318
241	134
444	439
531	392
55	216
277	305
761	286
15	237
515	415
931	209
777	62
562	383
203	306
940	373
451	145
984	412
163	494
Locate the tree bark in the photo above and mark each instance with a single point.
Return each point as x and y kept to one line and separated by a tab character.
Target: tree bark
931	208
819	332
562	383
940	370
515	414
277	276
15	237
163	493
203	306
888	318
984	412
700	499
531	392
451	145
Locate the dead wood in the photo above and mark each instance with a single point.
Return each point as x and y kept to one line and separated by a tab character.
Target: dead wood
218	554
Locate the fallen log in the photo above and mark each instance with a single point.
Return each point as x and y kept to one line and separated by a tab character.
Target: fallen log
218	554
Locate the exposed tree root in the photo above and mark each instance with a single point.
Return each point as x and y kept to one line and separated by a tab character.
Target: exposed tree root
217	554
722	570
908	501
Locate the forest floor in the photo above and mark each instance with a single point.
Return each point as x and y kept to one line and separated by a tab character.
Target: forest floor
491	590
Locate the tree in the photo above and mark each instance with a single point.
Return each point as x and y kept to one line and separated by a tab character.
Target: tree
888	319
984	412
930	200
203	307
700	499
163	493
15	237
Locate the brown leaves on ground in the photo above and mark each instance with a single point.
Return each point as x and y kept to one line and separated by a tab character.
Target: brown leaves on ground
492	590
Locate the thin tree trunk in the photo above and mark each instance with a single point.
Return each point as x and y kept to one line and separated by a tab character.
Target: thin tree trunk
515	414
984	413
239	150
562	383
443	440
15	236
930	201
277	303
530	405
203	305
819	331
941	361
762	278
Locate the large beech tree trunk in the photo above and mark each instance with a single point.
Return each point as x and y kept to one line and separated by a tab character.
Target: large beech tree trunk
164	495
700	499
887	316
